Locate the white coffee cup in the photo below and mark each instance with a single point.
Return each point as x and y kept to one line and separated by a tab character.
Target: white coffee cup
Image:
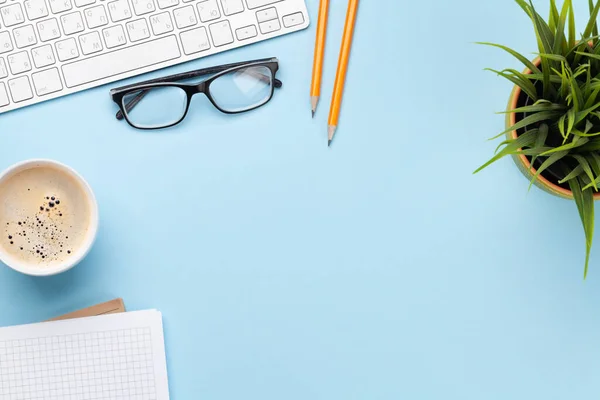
50	172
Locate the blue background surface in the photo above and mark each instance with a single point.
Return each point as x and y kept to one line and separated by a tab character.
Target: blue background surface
380	268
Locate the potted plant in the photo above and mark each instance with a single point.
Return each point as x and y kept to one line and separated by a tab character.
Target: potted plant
553	116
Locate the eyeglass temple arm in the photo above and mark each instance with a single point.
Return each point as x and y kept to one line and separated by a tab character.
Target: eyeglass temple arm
205	71
192	74
187	75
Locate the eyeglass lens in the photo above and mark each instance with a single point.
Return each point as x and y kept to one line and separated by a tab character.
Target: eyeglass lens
242	89
157	107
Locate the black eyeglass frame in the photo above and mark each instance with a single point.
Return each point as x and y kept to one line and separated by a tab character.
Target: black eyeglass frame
119	93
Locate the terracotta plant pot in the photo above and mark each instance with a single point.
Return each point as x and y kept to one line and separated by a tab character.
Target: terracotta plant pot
522	161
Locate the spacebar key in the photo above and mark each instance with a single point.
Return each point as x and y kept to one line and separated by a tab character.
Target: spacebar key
259	3
121	61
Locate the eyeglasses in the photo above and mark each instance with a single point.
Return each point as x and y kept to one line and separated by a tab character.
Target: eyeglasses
234	88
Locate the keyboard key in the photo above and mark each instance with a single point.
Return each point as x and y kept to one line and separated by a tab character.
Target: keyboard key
114	36
120	61
25	36
19	62
266	14
221	33
5	42
96	16
47	82
269	26
43	56
185	17
293	20
161	23
67	49
20	89
119	10
142	7
35	9
138	30
208	10
3	69
3	95
12	15
48	29
246	32
83	3
58	6
259	3
90	43
167	3
72	23
231	7
195	40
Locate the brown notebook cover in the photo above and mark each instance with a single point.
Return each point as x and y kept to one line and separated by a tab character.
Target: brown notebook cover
110	307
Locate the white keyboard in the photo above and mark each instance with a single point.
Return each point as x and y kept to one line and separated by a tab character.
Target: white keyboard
50	48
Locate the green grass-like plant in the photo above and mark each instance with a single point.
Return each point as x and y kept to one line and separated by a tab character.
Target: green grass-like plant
559	123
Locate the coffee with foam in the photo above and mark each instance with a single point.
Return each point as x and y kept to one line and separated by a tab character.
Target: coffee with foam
45	216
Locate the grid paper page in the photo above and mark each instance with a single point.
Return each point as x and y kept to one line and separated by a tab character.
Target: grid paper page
113	357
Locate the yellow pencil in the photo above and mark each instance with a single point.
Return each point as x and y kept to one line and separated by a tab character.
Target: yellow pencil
340	77
315	87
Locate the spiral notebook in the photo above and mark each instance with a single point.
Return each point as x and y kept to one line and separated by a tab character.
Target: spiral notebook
110	357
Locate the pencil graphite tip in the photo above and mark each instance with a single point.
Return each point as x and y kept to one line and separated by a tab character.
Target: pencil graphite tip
330	132
314	101
329	143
